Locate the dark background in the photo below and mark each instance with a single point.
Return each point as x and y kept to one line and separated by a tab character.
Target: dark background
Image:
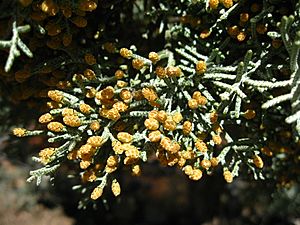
160	196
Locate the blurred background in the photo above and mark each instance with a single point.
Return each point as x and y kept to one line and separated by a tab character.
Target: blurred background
160	196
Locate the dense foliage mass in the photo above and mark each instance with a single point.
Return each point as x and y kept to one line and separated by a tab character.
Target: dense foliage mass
201	85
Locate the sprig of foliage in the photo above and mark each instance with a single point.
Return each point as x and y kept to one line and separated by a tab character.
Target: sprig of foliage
198	86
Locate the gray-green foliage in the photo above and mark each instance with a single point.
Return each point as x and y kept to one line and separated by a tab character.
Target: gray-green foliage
242	75
14	44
